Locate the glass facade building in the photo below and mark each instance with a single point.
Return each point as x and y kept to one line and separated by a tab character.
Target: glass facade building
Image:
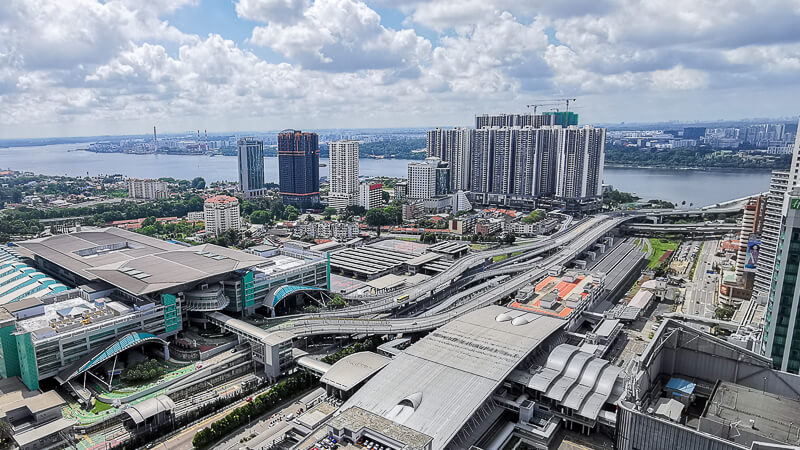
298	167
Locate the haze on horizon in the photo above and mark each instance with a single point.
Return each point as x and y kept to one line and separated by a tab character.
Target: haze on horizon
85	67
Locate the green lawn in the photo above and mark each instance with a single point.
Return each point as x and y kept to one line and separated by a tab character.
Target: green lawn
660	246
499	258
100	407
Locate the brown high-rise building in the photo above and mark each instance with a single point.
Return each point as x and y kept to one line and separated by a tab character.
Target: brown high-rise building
298	167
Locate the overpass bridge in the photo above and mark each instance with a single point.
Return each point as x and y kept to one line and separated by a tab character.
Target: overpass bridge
272	347
683	228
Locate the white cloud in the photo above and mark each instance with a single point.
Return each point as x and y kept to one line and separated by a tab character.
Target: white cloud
116	65
343	36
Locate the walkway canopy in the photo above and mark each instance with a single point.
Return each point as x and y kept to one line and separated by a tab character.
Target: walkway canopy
126	342
281	292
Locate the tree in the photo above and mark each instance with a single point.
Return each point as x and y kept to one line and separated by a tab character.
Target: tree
534	216
509	238
328	212
356	210
428	238
277	209
385	196
376	218
260	217
149	221
290	213
199	183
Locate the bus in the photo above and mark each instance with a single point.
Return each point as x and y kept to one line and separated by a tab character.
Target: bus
402	298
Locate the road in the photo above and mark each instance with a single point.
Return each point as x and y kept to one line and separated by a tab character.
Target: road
569	246
700	297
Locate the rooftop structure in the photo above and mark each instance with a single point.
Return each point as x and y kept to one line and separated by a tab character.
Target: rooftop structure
436	385
18	280
370	261
561	296
352	370
133	262
747	404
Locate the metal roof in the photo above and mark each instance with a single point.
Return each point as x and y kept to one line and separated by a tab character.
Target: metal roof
577	380
282	292
351	370
150	408
127	341
448	374
136	263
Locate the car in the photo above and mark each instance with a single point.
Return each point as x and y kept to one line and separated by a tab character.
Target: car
233	350
249	399
199	366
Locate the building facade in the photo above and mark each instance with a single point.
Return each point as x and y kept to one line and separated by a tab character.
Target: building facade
343	174
221	213
148	189
370	195
298	167
782	331
520	160
428	179
251	167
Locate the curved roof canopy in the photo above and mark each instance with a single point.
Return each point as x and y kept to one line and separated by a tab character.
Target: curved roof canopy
126	342
282	292
150	408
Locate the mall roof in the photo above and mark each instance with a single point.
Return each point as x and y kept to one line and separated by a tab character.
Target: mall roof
150	408
351	370
136	263
21	305
437	384
775	417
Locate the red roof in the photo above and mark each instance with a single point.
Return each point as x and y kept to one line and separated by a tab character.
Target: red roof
221	199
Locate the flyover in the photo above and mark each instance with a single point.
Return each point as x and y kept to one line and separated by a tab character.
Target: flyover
683	228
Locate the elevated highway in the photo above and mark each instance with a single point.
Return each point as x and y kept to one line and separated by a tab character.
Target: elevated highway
683	228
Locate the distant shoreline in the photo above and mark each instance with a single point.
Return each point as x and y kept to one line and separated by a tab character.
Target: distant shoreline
702	169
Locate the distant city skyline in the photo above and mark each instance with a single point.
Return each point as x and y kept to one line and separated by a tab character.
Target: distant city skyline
87	68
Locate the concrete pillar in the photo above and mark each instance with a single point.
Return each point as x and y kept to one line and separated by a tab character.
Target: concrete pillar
166	351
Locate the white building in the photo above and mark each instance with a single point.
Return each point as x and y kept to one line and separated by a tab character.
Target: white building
370	195
341	231
196	215
428	179
147	189
221	213
344	187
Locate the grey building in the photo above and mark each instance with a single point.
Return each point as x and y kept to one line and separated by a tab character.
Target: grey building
251	167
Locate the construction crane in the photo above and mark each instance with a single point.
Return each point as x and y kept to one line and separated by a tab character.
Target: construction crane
535	106
567	100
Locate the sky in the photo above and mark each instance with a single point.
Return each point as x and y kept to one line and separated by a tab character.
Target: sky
87	67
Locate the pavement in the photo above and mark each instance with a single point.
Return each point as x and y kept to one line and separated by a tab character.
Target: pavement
700	298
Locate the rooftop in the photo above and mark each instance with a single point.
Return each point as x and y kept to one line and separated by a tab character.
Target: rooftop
136	263
351	370
557	296
356	419
221	199
437	384
774	418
